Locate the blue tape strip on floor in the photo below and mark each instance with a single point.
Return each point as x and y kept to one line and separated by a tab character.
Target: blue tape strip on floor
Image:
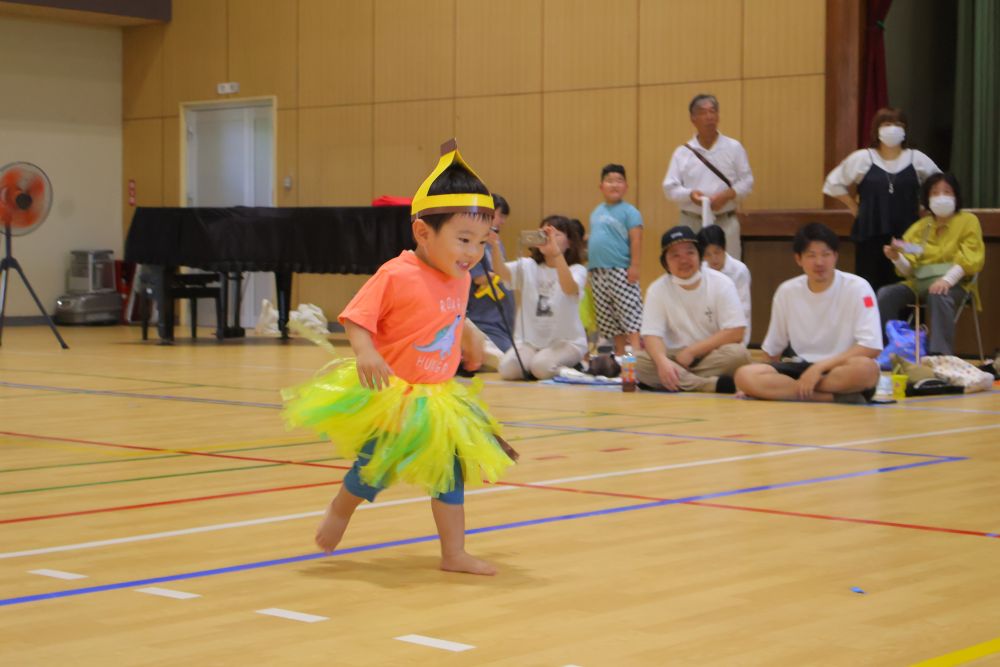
72	592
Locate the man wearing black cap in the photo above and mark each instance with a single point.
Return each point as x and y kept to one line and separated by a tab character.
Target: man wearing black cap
692	323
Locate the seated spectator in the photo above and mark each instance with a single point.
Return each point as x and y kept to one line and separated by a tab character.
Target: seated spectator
951	253
831	322
713	244
548	333
692	323
490	301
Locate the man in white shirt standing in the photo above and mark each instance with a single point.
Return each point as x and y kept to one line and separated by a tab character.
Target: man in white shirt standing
692	323
831	321
711	167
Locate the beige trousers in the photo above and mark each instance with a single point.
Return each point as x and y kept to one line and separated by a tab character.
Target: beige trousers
724	360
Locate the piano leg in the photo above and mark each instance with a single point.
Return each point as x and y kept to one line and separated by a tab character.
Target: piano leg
162	279
283	283
223	312
235	280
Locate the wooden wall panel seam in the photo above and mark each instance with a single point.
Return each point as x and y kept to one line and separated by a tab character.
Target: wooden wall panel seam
227	41
743	40
298	70
635	192
371	181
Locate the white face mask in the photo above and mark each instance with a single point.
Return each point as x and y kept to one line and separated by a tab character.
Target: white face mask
891	135
942	205
686	282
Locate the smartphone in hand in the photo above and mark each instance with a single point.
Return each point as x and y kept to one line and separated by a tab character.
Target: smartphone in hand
905	246
533	237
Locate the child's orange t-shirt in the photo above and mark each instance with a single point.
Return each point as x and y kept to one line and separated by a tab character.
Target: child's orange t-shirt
415	314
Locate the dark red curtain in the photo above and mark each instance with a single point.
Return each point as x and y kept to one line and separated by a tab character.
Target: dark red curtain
876	91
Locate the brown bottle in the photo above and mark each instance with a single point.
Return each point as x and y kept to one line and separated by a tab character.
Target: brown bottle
628	370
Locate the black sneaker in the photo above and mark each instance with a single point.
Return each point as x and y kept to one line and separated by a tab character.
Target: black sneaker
850	398
725	385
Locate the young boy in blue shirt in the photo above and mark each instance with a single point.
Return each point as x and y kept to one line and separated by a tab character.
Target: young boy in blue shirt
614	251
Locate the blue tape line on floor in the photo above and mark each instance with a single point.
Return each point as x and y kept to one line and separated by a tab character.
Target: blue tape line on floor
474	531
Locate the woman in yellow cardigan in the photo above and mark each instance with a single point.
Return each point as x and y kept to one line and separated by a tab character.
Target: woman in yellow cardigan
938	257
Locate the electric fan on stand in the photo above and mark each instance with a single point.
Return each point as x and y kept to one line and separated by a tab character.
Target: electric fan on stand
25	199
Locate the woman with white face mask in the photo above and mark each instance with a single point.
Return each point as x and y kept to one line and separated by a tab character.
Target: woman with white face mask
886	178
938	257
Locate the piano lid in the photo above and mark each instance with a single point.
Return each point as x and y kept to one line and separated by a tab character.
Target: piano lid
355	239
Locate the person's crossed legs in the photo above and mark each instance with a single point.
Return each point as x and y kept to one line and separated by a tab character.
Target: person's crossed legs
780	381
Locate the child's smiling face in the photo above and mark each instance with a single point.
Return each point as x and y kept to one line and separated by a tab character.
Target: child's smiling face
456	246
613	187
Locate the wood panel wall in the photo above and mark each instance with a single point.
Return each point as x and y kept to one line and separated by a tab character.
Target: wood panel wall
541	94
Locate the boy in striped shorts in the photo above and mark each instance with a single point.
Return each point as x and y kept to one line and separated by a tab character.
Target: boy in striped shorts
614	251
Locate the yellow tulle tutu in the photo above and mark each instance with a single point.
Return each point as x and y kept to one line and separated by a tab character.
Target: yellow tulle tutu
418	429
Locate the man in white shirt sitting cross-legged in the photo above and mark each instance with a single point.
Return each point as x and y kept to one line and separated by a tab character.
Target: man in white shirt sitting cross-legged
830	320
692	323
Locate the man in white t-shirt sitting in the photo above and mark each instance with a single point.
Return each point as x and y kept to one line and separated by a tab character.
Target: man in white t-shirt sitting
692	323
830	320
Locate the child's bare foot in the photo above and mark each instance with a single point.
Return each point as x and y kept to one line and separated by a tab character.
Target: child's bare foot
338	514
463	562
331	529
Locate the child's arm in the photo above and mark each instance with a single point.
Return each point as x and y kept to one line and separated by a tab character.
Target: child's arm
373	372
635	250
497	259
473	341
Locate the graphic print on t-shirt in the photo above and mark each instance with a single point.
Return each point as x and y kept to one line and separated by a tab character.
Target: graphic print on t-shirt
546	287
443	341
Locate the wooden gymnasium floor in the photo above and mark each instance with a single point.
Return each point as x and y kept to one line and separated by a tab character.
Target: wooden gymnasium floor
152	504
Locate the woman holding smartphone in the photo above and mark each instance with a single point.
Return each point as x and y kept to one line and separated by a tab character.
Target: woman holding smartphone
548	333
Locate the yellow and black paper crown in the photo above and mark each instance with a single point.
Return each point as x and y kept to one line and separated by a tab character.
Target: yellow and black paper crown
461	202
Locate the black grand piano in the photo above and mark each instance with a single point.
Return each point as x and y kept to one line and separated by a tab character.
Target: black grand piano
355	239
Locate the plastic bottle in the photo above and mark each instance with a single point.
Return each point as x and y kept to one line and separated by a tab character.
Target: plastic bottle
628	370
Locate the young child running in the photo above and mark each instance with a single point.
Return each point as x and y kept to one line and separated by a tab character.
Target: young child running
396	409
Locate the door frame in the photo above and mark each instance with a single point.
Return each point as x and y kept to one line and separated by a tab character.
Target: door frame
269	101
261	101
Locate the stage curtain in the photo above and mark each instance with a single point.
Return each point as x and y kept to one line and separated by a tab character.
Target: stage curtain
876	91
975	150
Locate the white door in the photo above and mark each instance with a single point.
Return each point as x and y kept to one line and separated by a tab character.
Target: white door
230	162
